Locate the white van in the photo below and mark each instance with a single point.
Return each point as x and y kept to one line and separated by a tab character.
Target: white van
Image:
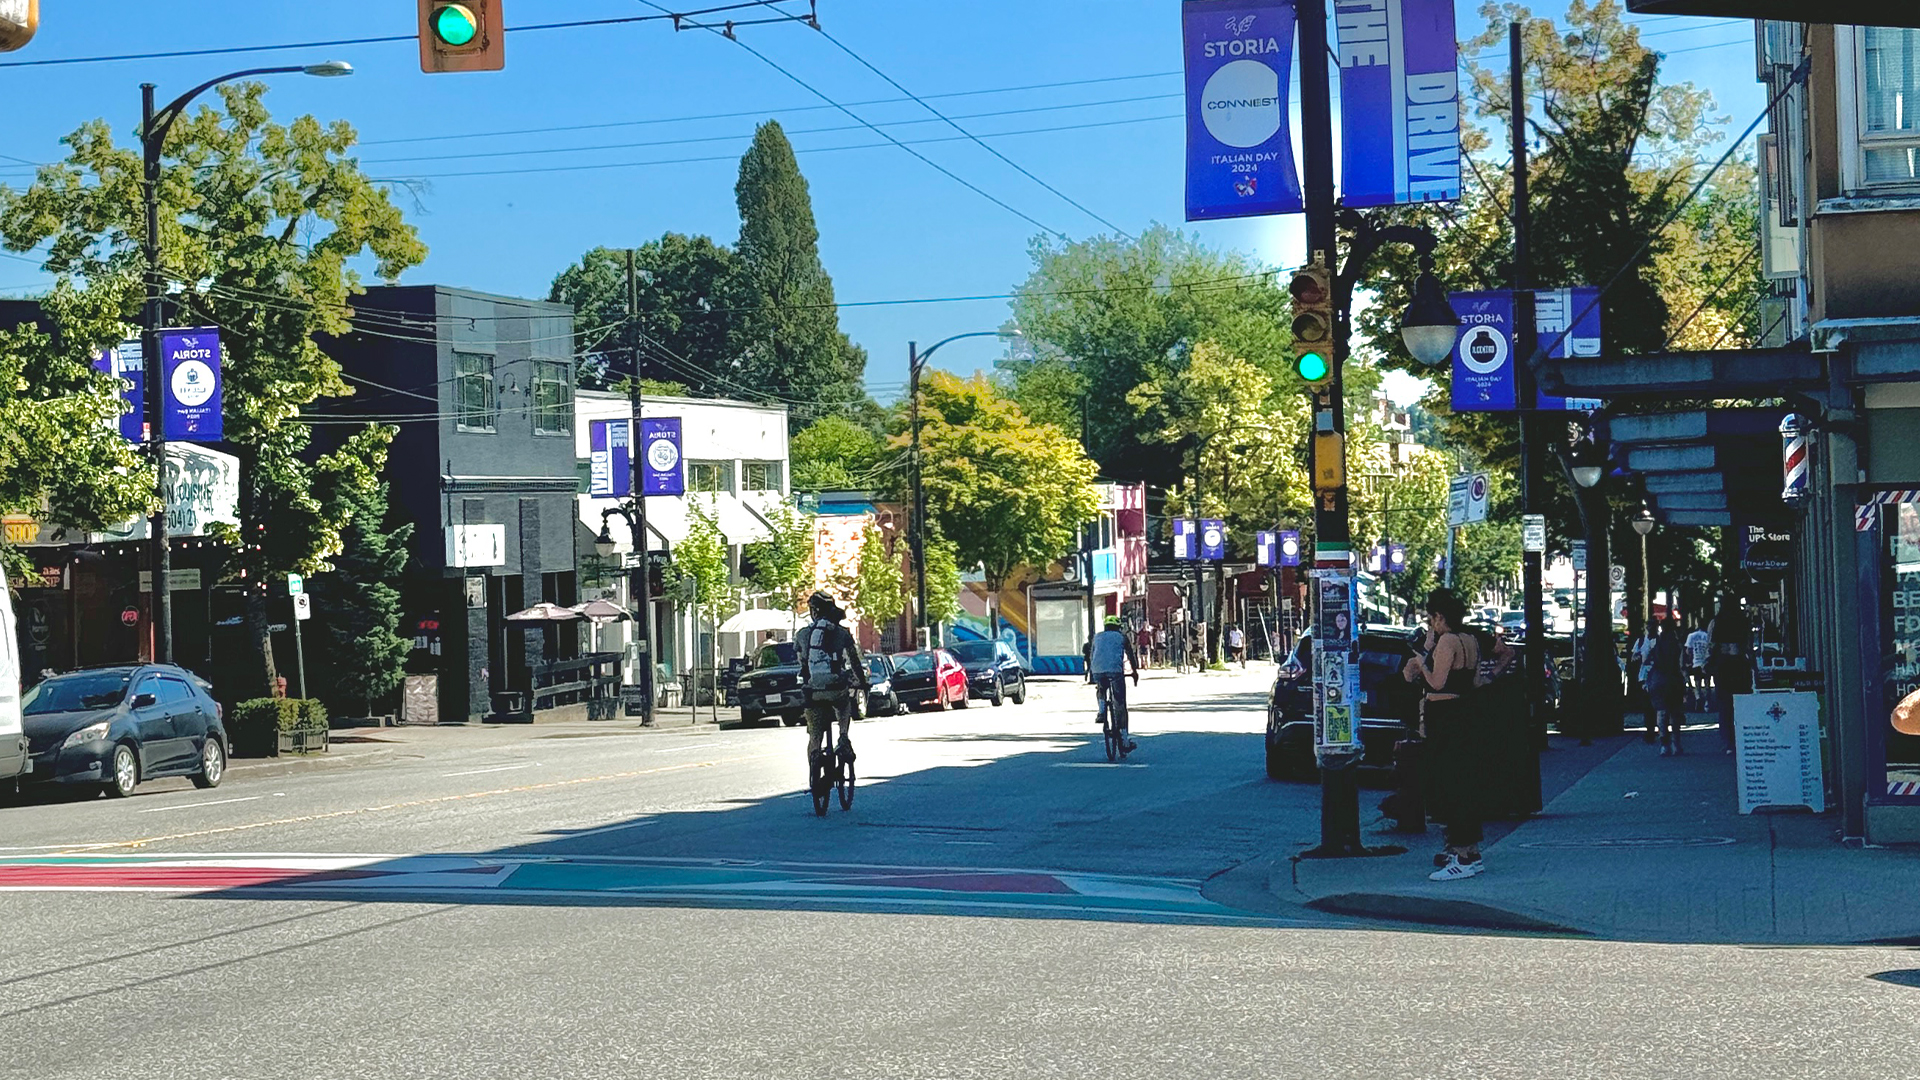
13	743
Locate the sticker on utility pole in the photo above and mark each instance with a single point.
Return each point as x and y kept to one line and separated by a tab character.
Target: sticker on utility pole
1533	533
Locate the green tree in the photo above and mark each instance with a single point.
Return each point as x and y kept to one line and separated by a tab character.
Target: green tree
879	589
685	286
943	578
782	564
357	609
1099	317
702	556
836	454
1007	491
259	223
789	329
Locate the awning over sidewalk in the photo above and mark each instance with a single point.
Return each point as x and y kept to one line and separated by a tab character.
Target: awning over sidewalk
1705	467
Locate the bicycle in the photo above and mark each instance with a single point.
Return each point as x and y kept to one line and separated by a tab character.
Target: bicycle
1110	721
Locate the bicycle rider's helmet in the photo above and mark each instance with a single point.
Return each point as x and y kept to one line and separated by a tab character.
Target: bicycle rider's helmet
820	604
1113	622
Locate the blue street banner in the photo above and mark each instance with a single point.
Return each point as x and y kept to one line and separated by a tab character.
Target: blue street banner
1183	539
1213	539
1399	102
1265	549
609	459
1396	559
1289	547
123	362
1568	324
1483	355
1239	148
190	375
663	470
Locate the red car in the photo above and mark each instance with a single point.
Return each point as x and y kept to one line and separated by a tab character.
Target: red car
931	678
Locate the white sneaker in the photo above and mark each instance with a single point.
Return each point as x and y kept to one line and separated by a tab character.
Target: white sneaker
1455	870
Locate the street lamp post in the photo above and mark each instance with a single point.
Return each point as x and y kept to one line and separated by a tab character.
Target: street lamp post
1587	465
1643	524
154	125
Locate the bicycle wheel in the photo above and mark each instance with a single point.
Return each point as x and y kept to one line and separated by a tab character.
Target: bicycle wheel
846	784
1113	738
819	783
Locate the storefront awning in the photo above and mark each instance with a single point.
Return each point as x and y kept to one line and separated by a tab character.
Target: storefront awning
1705	467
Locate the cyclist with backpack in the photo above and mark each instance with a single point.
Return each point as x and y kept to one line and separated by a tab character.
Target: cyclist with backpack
831	672
1109	658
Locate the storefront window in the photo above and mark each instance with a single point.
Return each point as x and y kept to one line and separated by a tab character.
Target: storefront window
1901	632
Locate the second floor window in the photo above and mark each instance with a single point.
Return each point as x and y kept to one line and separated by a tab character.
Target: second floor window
710	476
552	398
1889	105
473	400
761	476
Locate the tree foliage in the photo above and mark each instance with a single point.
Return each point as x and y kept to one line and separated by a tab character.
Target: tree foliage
836	454
1007	491
782	564
682	330
943	578
260	226
879	589
702	556
361	654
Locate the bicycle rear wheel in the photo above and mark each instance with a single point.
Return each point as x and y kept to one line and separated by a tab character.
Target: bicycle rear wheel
819	783
846	784
1113	738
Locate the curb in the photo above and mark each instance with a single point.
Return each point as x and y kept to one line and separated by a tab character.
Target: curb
1464	914
262	766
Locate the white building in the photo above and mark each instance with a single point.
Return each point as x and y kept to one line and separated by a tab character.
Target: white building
735	455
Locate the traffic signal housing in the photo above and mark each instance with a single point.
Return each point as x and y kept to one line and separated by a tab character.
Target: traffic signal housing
465	36
1312	292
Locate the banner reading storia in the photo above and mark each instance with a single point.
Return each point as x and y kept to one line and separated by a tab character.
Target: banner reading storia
1399	102
1239	148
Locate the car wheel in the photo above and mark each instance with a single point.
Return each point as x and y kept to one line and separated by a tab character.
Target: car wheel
999	697
965	699
1020	695
125	772
213	764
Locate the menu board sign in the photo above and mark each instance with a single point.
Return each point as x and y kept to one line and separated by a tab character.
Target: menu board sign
1777	741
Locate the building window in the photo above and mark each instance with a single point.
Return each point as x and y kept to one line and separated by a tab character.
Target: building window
1889	89
473	399
762	476
710	476
552	398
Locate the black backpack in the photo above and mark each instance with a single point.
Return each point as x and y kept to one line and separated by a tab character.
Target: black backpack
823	648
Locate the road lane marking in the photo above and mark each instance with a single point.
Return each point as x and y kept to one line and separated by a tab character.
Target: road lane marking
496	768
196	805
602	829
414	803
1099	764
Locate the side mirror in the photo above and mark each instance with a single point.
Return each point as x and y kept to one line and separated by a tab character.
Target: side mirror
141	701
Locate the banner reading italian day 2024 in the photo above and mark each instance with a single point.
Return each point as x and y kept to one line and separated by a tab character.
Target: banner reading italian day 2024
1239	148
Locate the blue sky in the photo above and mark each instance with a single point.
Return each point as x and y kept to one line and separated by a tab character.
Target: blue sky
892	227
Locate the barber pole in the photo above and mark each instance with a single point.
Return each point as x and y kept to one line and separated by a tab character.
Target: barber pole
1793	439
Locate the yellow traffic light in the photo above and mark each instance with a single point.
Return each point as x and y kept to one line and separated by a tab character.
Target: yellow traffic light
18	21
1312	294
465	36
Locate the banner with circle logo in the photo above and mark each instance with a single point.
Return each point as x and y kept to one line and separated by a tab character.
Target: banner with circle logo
1239	149
191	374
664	467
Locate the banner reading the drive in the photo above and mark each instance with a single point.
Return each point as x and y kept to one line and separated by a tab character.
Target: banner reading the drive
1399	102
1239	149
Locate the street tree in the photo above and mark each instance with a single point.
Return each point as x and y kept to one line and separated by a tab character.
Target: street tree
836	454
782	564
879	589
790	345
361	656
260	223
1008	492
702	557
943	578
681	327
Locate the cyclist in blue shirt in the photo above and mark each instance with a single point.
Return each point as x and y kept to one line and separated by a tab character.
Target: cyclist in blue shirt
1108	659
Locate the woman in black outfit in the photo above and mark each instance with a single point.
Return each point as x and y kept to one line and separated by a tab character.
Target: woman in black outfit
1448	669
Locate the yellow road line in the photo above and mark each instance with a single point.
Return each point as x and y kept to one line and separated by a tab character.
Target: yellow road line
410	804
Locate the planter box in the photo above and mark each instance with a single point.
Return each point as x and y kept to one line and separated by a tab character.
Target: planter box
303	742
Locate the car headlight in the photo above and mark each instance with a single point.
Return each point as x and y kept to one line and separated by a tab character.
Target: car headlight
90	733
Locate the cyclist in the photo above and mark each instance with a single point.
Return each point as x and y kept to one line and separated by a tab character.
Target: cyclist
831	672
1108	659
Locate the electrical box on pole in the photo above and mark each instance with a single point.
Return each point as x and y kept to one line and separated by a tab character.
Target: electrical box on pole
469	36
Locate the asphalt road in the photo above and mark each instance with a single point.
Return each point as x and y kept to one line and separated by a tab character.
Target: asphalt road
999	902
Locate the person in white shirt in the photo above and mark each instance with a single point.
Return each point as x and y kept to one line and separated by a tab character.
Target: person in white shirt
1699	648
1237	645
1643	656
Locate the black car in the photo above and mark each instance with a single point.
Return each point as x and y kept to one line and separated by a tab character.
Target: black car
1389	704
771	687
882	700
994	671
119	726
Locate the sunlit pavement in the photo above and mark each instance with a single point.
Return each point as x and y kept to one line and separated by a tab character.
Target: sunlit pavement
1000	901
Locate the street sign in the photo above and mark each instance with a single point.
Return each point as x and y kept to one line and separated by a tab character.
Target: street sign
130	617
1579	556
1479	490
296	585
1617	577
1457	501
1533	533
302	607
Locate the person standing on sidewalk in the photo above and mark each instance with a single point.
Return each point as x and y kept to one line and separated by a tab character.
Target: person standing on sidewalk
1699	649
1237	644
1667	687
1448	670
1731	664
1643	675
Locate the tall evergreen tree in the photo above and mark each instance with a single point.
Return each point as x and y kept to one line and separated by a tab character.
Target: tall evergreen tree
790	338
357	609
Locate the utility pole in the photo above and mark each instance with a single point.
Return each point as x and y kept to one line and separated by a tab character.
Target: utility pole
161	557
1524	335
639	582
1199	604
915	365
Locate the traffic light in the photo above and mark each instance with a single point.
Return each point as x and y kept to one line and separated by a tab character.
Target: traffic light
18	21
465	36
1312	293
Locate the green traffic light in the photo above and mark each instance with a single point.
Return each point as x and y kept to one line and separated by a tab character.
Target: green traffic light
455	25
1311	366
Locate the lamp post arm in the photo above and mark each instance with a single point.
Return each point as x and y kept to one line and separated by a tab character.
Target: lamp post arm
156	132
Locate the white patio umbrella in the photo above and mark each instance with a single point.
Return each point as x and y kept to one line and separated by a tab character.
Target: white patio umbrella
545	612
602	611
758	619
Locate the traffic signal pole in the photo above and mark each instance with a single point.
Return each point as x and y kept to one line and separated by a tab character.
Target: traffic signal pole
1532	568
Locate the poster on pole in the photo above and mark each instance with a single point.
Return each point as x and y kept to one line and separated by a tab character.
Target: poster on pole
665	469
1483	356
1265	549
1239	149
1399	102
1183	539
609	460
1213	539
1289	547
190	378
124	362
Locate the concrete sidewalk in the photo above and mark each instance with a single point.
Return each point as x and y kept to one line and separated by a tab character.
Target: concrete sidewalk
1641	848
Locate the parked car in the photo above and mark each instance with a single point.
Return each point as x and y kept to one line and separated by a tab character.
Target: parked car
882	700
770	687
931	678
1387	705
994	671
14	758
120	726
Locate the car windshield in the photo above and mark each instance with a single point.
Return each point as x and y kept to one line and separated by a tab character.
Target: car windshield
913	663
971	652
77	692
876	667
778	654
